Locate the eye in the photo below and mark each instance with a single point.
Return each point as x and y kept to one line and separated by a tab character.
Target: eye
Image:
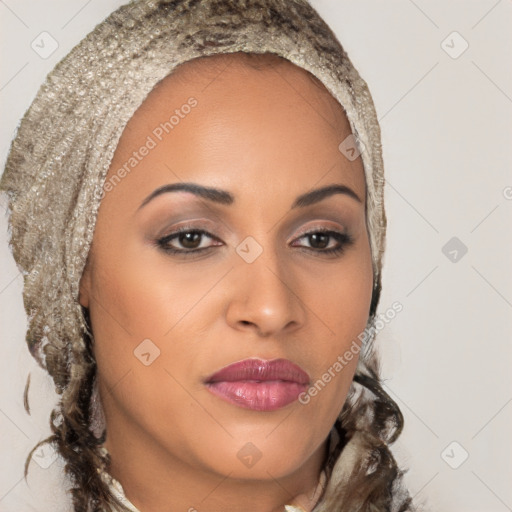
320	239
187	241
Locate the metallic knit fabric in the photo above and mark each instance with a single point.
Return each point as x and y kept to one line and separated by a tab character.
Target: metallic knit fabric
59	158
58	161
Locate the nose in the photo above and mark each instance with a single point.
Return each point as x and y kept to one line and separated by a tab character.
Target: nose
265	297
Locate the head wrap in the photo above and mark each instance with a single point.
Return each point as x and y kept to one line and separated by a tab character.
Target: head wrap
59	158
58	161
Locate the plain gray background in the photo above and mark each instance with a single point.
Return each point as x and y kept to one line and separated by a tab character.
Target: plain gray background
445	113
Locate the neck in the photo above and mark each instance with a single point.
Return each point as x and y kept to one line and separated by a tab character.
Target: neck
154	480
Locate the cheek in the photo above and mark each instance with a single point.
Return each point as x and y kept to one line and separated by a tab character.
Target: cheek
147	310
340	296
138	317
340	301
143	294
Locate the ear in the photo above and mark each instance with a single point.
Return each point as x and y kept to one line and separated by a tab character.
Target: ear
85	285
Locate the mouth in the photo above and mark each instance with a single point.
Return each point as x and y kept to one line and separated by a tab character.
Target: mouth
259	384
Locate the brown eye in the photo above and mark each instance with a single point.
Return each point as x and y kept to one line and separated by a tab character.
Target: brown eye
185	241
319	240
190	240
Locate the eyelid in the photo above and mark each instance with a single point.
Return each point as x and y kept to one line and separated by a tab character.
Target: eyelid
185	228
190	225
320	226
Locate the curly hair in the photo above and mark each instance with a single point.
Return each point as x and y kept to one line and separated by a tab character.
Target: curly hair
54	182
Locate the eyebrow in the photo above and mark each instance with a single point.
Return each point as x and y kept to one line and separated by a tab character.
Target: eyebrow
226	198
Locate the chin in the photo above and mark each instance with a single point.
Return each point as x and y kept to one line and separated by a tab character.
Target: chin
259	459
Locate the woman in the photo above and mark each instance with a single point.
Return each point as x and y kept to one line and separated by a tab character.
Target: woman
196	200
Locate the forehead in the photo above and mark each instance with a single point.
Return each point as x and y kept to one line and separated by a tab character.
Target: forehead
260	111
241	72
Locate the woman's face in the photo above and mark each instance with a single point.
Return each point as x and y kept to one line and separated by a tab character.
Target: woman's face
251	275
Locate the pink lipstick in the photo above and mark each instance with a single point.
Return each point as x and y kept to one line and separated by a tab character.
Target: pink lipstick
259	384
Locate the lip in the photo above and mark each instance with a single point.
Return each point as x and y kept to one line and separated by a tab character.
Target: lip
259	384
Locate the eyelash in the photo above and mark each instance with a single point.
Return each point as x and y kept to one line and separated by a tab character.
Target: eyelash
344	240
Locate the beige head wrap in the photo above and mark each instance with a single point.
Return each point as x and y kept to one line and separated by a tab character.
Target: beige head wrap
59	159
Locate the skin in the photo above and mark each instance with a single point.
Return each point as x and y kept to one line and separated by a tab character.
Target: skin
267	136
